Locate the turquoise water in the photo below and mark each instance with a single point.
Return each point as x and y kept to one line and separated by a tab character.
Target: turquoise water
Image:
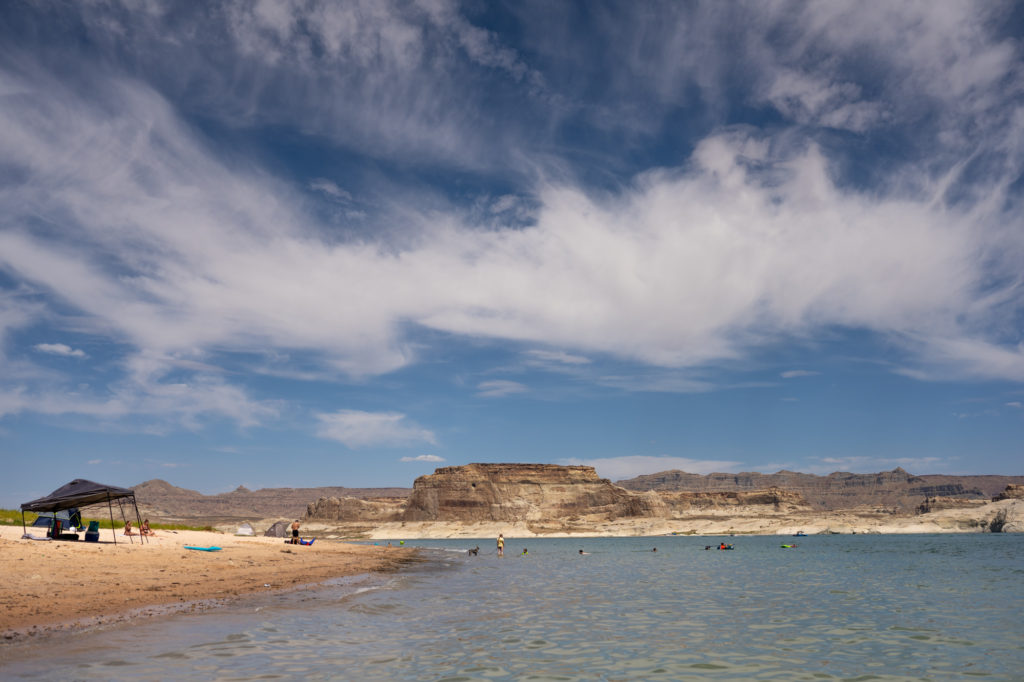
834	608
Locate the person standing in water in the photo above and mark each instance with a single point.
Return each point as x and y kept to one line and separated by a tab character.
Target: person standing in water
501	545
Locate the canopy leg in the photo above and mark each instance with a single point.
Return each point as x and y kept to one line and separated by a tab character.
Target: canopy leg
142	538
110	508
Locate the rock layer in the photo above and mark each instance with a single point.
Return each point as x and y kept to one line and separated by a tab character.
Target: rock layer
894	489
540	494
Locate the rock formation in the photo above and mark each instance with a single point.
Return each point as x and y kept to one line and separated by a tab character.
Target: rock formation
537	494
1012	492
895	489
522	492
161	500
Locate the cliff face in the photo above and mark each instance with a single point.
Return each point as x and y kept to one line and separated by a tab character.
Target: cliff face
1012	492
538	494
522	492
841	490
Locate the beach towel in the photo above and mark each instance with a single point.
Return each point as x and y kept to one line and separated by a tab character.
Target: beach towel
27	536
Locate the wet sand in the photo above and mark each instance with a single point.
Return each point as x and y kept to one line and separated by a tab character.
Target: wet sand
51	585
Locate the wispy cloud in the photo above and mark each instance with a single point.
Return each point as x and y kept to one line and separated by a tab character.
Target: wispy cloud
755	239
331	189
794	373
499	388
422	458
60	349
556	357
358	429
618	468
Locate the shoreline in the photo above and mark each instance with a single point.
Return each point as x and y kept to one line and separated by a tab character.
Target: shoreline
751	520
52	587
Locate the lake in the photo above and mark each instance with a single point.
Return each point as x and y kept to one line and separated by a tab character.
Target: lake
861	607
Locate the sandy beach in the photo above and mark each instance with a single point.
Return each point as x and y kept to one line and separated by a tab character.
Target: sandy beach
50	585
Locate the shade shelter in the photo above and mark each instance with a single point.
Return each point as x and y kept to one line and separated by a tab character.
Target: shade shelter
80	493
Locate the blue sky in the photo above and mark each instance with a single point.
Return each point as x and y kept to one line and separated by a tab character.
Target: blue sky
304	243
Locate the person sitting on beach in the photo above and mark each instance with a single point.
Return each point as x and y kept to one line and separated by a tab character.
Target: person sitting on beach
128	528
144	529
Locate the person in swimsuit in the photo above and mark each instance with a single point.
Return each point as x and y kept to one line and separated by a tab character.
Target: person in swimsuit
295	532
501	545
128	528
144	529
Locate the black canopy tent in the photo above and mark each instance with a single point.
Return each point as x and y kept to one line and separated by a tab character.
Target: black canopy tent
79	493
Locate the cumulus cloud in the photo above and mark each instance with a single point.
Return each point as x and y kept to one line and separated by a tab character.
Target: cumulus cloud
422	458
358	429
618	468
60	349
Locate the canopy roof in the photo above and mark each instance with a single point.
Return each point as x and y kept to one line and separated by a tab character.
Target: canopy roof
77	493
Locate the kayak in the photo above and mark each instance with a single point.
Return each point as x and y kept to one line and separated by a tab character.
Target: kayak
203	549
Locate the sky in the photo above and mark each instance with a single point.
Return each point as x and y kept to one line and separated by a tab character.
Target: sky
292	244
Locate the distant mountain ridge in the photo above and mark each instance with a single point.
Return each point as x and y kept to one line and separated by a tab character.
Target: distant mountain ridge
894	489
840	490
160	499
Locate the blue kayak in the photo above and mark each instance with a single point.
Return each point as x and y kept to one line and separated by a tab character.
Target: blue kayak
203	549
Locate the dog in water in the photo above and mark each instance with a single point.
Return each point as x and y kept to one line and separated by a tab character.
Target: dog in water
474	552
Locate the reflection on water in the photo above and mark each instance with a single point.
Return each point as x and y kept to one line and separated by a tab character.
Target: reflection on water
836	607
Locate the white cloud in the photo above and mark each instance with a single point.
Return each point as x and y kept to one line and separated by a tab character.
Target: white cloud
794	373
681	270
750	242
60	349
358	429
499	388
422	458
95	461
618	468
1015	404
